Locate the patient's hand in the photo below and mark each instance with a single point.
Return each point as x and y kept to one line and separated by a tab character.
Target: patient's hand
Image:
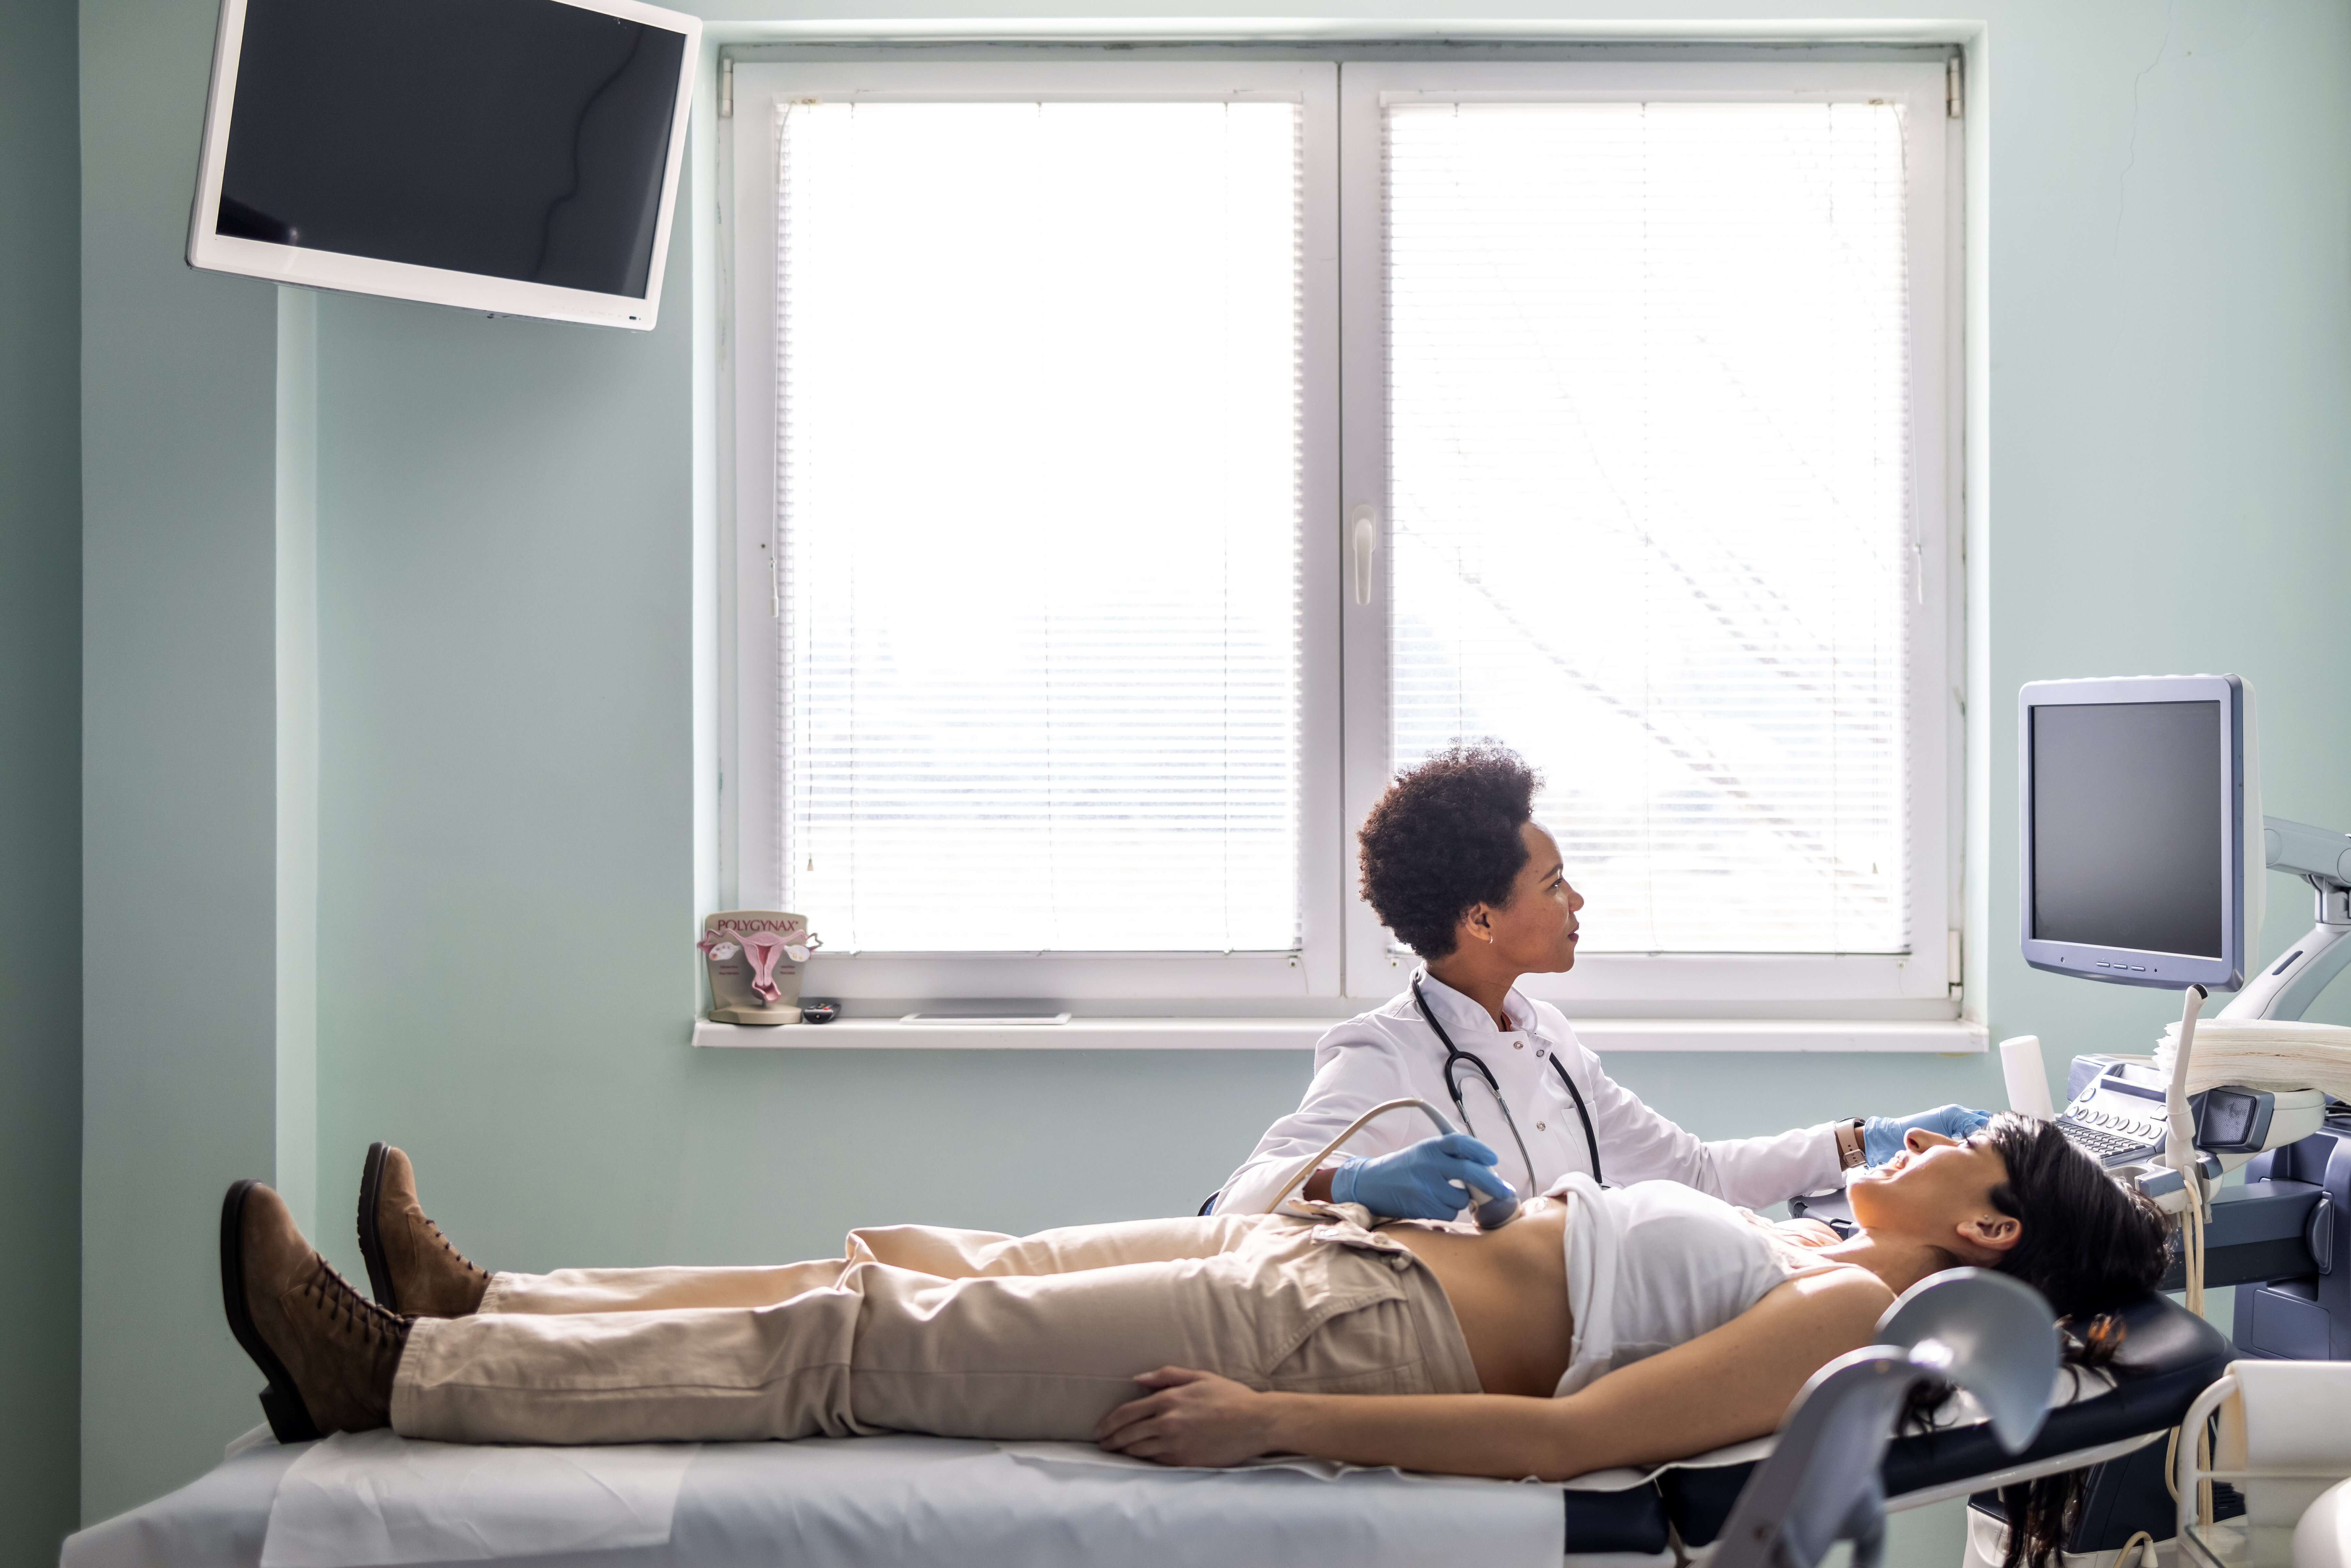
1194	1418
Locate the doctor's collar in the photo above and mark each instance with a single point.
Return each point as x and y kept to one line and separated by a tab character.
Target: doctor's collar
1458	1011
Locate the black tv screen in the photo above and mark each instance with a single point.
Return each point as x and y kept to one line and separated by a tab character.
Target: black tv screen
528	141
2126	845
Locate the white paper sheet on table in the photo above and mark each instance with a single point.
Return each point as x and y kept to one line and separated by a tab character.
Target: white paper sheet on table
867	1503
372	1500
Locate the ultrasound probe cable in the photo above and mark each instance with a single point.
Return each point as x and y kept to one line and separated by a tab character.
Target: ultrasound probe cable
1503	1207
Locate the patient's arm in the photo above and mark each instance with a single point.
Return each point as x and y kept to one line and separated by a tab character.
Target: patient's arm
1725	1386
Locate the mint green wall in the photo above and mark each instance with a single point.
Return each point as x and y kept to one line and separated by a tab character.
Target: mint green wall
40	782
505	808
178	794
2171	401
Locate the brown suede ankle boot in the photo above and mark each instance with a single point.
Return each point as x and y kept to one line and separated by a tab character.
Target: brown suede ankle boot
328	1351
411	1266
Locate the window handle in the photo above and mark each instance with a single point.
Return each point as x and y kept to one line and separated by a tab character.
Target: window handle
1366	539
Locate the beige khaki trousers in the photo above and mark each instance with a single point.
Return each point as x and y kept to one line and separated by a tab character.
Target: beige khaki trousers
965	1333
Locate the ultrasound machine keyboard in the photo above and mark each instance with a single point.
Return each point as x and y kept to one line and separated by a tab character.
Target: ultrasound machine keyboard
2116	1121
2107	1145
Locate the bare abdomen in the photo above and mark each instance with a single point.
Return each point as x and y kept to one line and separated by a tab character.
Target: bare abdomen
1509	1291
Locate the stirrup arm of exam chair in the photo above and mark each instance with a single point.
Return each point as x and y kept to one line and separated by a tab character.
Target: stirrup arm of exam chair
1989	1334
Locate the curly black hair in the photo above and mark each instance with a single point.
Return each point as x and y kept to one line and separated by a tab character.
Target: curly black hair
1446	837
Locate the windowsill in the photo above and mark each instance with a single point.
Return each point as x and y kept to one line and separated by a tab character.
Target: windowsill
1603	1035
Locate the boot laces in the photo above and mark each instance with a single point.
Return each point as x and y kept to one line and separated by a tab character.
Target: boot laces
350	1313
462	1261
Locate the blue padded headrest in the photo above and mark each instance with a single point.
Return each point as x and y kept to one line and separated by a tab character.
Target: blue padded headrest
1633	1520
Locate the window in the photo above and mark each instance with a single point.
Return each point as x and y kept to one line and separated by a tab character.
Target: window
1042	648
1112	518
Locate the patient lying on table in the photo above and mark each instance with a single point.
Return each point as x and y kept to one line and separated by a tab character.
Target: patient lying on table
1603	1327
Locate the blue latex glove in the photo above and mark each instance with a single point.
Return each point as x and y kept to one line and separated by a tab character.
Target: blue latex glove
1418	1183
1881	1137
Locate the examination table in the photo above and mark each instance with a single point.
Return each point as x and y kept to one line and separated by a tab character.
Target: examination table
909	1501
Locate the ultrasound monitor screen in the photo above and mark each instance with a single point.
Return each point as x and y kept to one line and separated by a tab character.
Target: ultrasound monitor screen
2127	834
519	138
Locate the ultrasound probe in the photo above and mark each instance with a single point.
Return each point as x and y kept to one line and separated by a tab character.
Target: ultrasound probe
1491	1214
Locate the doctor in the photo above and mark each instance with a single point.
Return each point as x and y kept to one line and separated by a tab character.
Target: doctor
1453	864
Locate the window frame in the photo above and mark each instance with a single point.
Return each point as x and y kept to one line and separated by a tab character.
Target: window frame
1917	983
751	694
1344	960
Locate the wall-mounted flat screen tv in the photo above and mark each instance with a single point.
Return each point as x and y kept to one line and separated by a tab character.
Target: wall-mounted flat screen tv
516	157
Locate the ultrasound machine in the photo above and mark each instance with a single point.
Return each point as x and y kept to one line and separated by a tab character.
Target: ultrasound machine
2142	854
2143	844
2143	850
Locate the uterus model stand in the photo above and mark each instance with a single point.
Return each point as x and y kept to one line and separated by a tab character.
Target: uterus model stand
755	959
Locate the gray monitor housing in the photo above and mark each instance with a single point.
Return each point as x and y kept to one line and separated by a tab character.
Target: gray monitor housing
2133	797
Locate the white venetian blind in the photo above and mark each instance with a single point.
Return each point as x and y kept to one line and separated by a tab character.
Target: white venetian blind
1039	373
1650	507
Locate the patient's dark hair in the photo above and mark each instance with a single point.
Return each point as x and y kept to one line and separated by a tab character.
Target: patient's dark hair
1446	837
2091	1246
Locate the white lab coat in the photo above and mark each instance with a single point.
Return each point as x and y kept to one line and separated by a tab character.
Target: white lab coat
1392	1051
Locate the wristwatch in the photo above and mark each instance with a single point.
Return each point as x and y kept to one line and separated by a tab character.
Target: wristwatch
1852	1154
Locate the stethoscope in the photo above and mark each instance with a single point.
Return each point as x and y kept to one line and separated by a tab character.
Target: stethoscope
1458	1062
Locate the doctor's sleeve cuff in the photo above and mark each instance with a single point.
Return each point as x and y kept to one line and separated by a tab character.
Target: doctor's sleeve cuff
1760	1172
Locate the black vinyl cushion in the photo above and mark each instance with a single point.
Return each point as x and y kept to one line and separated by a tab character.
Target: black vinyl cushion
2169	1355
1633	1520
